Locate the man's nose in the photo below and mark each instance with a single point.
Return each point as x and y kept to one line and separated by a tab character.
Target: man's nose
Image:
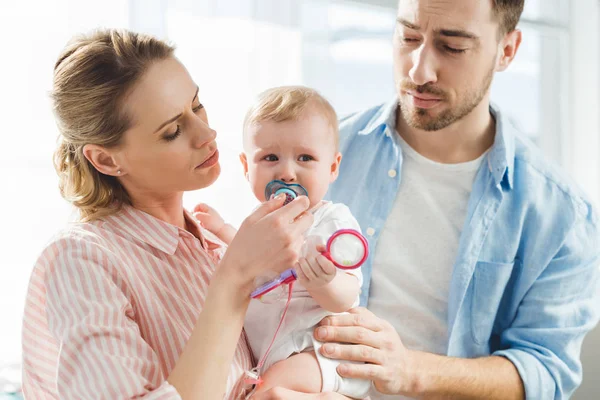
424	68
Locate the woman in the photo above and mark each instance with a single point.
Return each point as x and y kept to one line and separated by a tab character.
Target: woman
136	300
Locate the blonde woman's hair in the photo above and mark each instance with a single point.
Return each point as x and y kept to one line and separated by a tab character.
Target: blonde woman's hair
285	103
92	77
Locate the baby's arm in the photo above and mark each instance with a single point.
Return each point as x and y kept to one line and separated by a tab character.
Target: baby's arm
210	219
333	289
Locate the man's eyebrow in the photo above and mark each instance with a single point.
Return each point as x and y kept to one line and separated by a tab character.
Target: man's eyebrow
407	24
457	33
443	32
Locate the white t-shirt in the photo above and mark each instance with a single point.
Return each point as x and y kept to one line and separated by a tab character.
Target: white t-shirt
417	247
304	312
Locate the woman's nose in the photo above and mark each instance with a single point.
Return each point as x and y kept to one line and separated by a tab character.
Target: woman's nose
203	134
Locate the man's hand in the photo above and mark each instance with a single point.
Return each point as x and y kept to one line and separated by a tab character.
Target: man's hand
371	340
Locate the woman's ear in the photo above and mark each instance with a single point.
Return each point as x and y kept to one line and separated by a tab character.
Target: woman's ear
102	159
335	167
244	162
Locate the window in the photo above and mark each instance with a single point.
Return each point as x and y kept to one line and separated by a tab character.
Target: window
355	64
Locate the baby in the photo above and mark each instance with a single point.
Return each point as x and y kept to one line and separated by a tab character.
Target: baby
291	134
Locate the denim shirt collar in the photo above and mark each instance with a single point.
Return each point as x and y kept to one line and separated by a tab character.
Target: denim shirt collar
500	159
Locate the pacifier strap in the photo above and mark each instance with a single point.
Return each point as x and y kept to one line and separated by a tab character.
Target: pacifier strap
253	376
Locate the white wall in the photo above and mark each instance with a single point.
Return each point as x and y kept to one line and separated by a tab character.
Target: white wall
585	145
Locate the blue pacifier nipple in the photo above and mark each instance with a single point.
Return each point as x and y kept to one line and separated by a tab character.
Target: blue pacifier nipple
291	190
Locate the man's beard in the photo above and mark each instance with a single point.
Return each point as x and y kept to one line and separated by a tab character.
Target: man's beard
418	117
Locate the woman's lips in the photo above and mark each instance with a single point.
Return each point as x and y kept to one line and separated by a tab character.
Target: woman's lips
210	161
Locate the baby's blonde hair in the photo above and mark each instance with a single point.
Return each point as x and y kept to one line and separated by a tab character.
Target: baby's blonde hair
286	103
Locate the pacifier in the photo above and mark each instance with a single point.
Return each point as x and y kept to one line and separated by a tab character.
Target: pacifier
291	190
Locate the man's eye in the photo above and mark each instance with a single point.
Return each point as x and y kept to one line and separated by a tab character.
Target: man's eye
454	50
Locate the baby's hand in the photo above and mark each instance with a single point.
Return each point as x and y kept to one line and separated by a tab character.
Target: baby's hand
209	218
315	272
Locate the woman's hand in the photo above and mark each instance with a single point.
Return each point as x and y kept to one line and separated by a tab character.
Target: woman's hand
268	240
362	336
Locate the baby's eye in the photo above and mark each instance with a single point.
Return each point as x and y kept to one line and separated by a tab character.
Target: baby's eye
271	157
305	157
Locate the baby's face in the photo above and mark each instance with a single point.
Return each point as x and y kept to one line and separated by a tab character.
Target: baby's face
296	151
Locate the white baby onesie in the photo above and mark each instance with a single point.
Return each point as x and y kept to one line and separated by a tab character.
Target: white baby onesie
296	332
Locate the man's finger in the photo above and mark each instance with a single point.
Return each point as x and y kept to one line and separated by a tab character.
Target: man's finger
348	334
356	317
369	372
359	353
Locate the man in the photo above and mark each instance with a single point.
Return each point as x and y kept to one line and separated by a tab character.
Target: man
484	258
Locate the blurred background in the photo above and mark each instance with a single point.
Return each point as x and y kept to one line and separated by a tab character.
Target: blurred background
235	49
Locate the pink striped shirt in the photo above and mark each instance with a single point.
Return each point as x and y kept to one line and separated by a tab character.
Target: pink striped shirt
110	306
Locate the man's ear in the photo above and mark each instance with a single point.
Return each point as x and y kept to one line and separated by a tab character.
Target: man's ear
508	48
335	167
244	161
102	159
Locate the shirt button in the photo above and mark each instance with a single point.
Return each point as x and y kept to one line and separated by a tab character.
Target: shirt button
370	231
392	173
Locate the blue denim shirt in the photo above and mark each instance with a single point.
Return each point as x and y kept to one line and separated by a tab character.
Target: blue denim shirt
525	284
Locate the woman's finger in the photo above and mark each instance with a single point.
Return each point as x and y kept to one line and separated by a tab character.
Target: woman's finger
266	208
292	211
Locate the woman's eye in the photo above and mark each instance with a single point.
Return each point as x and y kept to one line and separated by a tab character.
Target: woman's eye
199	107
173	136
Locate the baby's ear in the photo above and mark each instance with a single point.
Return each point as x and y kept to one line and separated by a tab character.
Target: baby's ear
335	167
244	161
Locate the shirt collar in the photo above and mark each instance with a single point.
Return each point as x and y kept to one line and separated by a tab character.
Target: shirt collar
501	156
158	233
385	116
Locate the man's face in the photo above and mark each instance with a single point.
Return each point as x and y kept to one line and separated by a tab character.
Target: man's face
445	56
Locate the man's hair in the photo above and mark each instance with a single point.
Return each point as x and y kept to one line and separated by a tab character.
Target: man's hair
508	13
289	103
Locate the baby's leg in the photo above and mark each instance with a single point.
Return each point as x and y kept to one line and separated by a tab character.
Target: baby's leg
300	372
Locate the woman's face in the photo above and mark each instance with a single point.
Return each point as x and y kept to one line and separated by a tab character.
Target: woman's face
170	147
